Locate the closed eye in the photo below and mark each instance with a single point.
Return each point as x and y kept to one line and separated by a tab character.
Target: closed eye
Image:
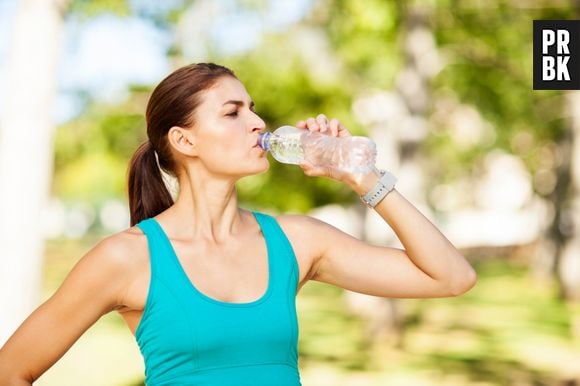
233	114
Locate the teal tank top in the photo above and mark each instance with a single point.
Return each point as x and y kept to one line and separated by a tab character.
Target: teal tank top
188	338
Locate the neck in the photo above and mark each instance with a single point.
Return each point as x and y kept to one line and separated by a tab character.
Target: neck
206	207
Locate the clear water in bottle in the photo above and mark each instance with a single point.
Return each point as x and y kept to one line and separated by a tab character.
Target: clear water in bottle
291	145
285	144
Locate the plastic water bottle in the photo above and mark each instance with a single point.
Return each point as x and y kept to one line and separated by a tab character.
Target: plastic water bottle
289	144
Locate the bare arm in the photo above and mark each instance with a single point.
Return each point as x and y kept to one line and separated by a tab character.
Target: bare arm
429	265
93	288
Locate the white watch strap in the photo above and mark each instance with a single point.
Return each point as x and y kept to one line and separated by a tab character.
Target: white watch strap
383	187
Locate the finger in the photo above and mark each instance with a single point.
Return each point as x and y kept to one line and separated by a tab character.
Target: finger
322	122
333	125
311	170
307	167
301	124
325	171
321	171
312	125
343	131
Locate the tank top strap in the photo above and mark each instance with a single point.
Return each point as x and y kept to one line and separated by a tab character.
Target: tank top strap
157	248
271	229
284	257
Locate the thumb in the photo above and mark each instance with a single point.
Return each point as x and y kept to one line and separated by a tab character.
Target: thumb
312	170
320	171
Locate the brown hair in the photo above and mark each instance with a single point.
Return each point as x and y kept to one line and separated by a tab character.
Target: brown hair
172	103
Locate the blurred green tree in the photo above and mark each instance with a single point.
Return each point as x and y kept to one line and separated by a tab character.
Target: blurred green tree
345	47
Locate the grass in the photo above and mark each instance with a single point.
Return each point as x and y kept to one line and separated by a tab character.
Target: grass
509	330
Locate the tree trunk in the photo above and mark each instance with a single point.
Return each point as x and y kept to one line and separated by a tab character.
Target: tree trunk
26	155
568	259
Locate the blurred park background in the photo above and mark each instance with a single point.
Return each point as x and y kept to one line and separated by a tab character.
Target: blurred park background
444	87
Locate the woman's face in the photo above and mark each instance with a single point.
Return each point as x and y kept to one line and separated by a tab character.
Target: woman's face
226	130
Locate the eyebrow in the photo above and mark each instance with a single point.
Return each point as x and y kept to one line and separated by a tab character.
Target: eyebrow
238	103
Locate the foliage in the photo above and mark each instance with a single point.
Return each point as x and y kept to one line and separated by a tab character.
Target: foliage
90	8
92	152
487	48
365	38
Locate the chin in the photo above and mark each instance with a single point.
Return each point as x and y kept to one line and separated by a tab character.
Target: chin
258	167
265	166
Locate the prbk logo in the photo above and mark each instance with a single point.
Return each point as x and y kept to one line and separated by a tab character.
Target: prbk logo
556	54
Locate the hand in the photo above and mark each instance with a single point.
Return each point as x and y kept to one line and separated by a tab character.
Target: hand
321	124
333	128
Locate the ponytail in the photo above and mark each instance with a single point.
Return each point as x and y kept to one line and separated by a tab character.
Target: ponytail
148	194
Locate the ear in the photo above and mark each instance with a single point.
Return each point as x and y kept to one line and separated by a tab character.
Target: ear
182	140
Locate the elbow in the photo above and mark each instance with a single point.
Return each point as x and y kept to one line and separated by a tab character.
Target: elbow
464	282
9	378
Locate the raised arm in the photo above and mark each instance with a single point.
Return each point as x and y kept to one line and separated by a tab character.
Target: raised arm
428	266
93	288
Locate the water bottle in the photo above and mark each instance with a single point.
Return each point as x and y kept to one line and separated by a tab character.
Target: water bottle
289	144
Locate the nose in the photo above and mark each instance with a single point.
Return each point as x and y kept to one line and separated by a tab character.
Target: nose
258	124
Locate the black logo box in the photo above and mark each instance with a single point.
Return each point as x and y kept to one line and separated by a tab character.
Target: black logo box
573	27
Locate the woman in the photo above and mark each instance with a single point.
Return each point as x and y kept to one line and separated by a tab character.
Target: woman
208	288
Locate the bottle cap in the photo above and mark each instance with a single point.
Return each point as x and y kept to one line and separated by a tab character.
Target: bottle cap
263	141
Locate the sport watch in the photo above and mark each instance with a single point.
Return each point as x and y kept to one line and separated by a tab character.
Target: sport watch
384	186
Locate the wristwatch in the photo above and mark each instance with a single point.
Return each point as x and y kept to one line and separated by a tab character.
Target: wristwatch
384	186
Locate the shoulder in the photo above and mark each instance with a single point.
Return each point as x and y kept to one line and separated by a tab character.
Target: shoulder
318	235
104	273
305	231
120	252
300	231
299	224
296	221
